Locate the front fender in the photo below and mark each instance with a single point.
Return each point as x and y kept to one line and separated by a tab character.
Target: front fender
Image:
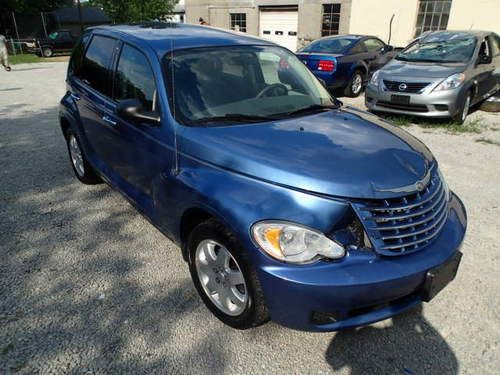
239	201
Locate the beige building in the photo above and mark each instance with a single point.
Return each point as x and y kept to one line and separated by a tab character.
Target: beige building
294	23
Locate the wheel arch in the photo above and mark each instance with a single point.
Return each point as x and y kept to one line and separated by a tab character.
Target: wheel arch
191	218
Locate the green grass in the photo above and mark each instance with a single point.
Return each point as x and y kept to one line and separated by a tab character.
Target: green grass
24	59
488	141
472	126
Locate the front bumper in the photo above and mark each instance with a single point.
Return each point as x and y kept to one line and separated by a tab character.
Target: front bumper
439	104
362	288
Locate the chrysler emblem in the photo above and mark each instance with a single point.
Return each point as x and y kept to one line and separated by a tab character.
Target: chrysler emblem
402	87
419	186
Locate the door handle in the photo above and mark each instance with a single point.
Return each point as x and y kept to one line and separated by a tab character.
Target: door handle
109	120
75	97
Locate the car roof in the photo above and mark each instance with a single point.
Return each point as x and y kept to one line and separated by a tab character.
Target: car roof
348	36
162	36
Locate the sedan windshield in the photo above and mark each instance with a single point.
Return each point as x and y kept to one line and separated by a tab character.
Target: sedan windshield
444	51
242	84
329	45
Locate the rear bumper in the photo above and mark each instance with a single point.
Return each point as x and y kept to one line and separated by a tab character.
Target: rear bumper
362	288
442	104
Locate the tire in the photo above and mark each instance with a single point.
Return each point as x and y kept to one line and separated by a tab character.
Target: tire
463	111
212	237
355	85
47	52
81	167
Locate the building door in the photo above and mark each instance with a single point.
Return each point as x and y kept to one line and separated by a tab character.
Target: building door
280	26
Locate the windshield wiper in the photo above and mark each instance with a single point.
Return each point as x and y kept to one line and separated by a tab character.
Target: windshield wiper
233	117
311	109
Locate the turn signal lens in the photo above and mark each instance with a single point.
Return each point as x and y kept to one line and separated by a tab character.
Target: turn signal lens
326	65
294	243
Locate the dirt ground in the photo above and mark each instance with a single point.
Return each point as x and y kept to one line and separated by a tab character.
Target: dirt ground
88	286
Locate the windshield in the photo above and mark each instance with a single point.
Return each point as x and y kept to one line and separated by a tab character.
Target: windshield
330	45
242	82
443	51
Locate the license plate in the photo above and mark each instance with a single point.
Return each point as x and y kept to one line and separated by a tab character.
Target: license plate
400	99
437	278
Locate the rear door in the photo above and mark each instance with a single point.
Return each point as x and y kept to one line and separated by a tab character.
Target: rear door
91	90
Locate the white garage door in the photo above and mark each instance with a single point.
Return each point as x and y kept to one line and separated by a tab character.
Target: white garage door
280	27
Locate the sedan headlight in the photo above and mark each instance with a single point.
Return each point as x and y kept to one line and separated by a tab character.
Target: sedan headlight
294	243
374	79
451	82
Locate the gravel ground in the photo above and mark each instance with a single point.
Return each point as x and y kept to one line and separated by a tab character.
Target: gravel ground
87	285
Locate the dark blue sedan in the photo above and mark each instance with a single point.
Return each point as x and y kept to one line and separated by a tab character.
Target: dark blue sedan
345	62
285	205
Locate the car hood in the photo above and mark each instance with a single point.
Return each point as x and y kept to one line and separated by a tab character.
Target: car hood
408	70
345	153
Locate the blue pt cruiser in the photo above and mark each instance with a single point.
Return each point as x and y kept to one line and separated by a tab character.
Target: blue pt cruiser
286	205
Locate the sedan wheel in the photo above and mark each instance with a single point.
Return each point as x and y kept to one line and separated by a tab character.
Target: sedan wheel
221	277
465	110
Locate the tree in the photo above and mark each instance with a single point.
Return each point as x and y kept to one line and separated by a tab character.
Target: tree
121	11
30	7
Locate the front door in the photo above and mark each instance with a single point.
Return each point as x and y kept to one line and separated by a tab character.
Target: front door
485	78
142	151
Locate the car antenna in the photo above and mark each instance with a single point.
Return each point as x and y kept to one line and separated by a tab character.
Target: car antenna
176	156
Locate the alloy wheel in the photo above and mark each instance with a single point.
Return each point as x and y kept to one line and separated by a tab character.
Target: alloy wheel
357	84
465	110
221	277
76	156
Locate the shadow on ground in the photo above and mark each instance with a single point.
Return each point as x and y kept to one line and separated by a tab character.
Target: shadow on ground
409	346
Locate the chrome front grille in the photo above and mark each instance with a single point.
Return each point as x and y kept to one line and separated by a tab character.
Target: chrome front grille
405	87
407	224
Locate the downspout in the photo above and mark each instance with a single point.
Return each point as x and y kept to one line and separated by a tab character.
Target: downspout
390	30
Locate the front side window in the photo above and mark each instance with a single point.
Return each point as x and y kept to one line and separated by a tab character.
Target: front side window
444	47
134	78
432	15
373	45
330	45
96	63
331	19
250	82
239	22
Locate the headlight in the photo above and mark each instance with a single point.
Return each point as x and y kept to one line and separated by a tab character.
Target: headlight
374	79
294	243
451	82
445	186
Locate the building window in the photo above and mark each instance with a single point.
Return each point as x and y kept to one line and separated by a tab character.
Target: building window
239	22
331	19
432	15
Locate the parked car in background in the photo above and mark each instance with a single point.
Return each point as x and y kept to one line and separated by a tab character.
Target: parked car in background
347	61
60	41
441	75
286	205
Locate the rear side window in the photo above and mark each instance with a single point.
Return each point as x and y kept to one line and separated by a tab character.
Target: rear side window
75	64
358	48
134	78
96	63
373	45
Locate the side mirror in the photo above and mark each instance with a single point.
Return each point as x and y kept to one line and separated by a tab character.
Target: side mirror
484	59
132	109
388	48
